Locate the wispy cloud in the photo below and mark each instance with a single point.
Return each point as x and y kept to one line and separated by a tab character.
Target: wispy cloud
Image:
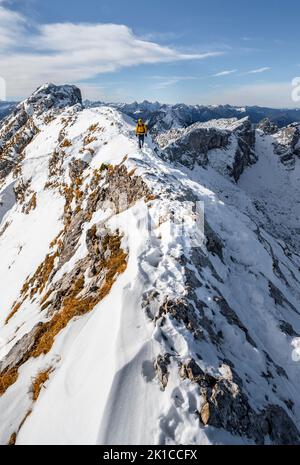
170	81
225	73
258	70
68	52
162	36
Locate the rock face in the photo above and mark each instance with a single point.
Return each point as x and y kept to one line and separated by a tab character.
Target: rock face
267	126
225	406
51	96
287	144
192	146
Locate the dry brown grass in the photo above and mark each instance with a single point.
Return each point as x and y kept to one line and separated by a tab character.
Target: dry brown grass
45	302
48	119
66	143
132	172
110	169
22	189
55	165
12	439
17	171
116	264
39	382
150	197
74	305
2	231
24	419
93	127
14	310
8	378
89	139
55	240
52	185
31	205
40	278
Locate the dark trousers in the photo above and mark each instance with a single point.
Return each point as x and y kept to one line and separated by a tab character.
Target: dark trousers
141	140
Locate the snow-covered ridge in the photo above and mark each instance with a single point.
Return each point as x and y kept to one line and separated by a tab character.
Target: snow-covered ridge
119	325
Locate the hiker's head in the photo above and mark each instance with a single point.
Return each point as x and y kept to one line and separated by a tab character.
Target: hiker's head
140	121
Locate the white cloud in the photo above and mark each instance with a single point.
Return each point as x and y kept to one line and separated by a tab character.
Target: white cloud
12	26
258	70
225	73
67	52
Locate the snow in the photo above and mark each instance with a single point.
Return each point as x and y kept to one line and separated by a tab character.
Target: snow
275	190
222	123
103	388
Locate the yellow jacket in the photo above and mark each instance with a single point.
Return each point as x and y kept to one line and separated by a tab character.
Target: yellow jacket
141	128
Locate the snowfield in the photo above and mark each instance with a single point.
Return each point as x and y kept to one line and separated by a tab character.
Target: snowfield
122	324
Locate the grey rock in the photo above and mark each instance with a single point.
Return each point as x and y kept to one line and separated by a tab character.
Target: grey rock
267	126
287	145
161	367
191	146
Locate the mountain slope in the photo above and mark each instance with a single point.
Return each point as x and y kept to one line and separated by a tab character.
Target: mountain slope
121	323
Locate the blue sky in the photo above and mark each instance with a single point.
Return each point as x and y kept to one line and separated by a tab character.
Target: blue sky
206	52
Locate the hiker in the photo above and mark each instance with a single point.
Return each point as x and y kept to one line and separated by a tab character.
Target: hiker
141	131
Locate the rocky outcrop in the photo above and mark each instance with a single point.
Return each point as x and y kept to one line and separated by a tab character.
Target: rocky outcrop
51	96
19	128
161	367
267	127
225	406
191	146
287	145
233	139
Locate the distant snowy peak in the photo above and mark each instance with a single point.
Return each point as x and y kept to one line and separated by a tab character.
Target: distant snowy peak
18	129
162	117
6	108
51	96
230	124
